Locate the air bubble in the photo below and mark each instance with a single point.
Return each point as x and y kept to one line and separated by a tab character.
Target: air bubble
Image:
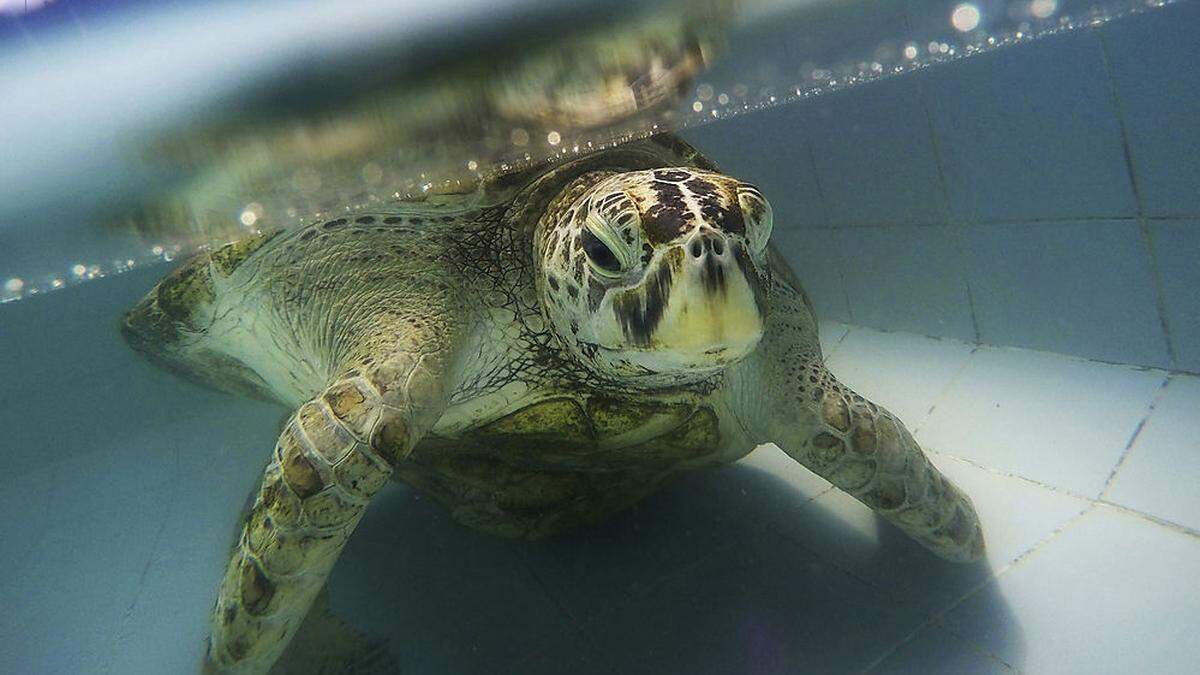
250	214
965	17
1043	9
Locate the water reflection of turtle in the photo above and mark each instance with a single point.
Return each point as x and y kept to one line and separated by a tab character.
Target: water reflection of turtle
289	149
534	355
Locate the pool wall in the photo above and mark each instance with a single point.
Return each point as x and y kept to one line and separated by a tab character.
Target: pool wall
1043	196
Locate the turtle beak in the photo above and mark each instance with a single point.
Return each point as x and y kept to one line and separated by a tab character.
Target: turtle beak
701	305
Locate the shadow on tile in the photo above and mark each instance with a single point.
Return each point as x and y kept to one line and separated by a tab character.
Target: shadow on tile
446	599
1114	593
690	581
936	650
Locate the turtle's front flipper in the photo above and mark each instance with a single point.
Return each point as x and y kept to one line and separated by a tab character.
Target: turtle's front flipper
858	446
867	452
335	453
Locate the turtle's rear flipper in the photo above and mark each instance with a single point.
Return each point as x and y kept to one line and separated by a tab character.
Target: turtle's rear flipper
326	645
168	324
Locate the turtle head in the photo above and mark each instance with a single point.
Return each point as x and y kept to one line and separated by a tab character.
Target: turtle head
655	274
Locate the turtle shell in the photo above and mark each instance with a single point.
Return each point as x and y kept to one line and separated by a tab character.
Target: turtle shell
542	180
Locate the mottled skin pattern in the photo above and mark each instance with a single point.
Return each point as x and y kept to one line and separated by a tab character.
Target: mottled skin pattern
538	357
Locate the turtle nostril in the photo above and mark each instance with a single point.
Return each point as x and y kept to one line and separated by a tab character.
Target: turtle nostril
696	251
718	247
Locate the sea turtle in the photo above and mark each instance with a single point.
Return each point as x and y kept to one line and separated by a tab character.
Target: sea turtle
535	355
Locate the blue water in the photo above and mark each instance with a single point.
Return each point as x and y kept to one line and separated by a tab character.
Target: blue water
1033	193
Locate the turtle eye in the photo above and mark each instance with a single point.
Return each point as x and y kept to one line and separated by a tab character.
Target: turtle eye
756	211
599	253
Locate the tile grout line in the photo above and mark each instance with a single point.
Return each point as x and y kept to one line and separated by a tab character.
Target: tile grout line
936	617
1077	358
1089	505
1033	550
123	629
976	347
1149	517
957	227
1037	547
625	601
1029	553
1137	432
970	296
846	294
1008	474
979	649
581	634
954	379
783	534
934	622
1161	522
887	653
1160	298
836	344
812	163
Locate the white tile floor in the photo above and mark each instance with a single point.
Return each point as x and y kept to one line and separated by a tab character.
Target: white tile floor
1084	474
1167	448
1064	422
